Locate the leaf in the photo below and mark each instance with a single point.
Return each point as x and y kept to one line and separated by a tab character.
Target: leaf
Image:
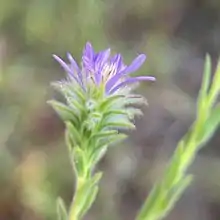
61	210
88	193
104	134
132	112
119	125
205	82
118	138
78	160
151	205
98	154
69	141
175	195
210	126
114	112
93	121
75	104
135	100
167	190
129	112
109	101
174	171
73	133
88	203
161	200
79	92
215	87
65	112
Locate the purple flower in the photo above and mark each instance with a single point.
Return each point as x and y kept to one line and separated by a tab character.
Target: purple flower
103	69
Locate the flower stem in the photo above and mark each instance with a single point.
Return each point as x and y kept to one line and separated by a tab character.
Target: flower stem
75	207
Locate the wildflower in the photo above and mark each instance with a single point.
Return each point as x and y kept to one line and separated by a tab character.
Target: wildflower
99	98
99	107
103	70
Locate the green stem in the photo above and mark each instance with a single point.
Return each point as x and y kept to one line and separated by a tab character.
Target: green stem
75	207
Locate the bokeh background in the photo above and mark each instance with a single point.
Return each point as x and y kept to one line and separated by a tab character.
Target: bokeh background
34	165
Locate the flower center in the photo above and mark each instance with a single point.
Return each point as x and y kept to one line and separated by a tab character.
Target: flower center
108	71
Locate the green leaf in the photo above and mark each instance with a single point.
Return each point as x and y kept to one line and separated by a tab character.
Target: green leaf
210	126
119	125
215	87
88	193
135	100
150	208
65	112
93	121
73	133
129	111
78	161
104	134
69	141
205	82
89	201
162	199
116	139
132	112
110	101
61	210
114	112
175	195
76	104
79	92
97	154
174	171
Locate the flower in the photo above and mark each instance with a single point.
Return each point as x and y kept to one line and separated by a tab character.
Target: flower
99	105
103	70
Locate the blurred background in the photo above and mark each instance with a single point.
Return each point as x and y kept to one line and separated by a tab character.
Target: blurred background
34	165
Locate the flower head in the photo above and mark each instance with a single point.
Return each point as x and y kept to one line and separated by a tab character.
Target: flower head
103	70
99	103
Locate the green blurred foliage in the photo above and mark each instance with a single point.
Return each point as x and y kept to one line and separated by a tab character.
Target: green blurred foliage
35	169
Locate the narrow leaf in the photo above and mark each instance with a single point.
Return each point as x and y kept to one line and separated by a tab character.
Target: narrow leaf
206	80
65	112
139	100
120	125
210	126
74	133
89	201
132	112
109	101
78	160
215	87
61	210
180	188
103	134
116	139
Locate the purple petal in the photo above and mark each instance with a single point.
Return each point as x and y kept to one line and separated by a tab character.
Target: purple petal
62	63
115	58
66	68
117	61
130	81
88	51
100	60
136	63
111	82
102	56
74	65
88	57
88	64
75	68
